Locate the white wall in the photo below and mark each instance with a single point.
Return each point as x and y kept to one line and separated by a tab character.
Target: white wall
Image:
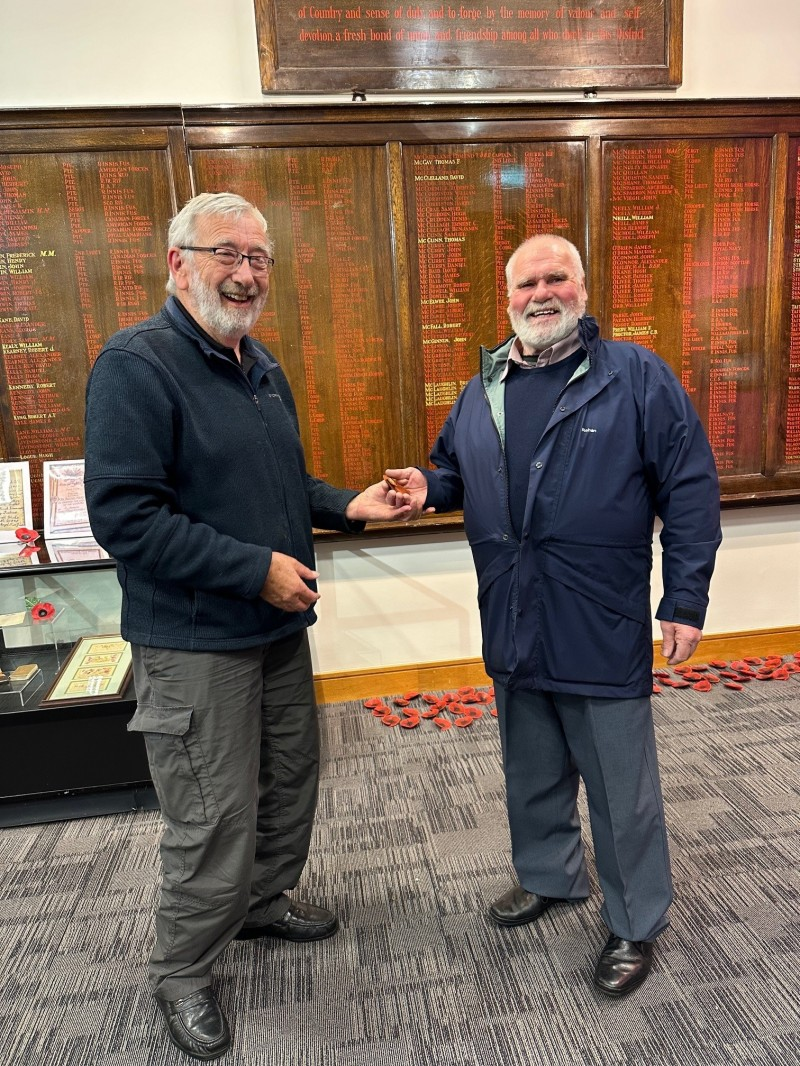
402	600
84	52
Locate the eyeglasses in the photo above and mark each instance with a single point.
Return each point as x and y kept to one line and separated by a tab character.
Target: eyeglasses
231	259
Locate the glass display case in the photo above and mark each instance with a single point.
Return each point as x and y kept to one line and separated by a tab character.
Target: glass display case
66	693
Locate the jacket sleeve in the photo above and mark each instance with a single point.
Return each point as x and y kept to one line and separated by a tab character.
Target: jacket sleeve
326	503
683	477
134	510
445	487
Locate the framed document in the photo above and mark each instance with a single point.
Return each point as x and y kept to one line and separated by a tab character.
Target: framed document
75	551
65	513
15	499
96	671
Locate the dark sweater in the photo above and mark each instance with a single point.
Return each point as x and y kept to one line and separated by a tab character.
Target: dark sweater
195	473
530	399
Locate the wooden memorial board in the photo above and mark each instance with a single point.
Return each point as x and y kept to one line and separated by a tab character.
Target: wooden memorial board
393	225
83	216
411	46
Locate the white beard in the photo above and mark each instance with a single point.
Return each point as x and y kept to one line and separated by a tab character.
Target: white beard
226	319
541	333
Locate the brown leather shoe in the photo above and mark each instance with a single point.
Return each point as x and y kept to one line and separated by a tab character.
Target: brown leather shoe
196	1024
623	965
302	921
518	907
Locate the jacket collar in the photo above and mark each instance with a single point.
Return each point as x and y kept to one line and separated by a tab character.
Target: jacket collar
182	320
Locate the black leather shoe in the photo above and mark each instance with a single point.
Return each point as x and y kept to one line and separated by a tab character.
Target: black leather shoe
518	907
302	921
623	965
196	1024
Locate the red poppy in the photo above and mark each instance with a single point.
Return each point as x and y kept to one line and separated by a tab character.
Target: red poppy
29	550
43	612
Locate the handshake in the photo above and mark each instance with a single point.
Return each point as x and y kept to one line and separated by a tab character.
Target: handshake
400	497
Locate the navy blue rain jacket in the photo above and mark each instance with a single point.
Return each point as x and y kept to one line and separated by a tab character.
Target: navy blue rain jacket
567	607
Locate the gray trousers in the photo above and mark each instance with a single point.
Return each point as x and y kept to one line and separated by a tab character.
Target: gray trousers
233	745
549	741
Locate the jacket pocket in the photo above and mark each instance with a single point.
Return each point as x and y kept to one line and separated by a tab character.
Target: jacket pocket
497	605
597	631
177	764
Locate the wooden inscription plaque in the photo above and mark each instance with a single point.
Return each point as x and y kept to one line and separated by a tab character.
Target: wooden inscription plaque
474	44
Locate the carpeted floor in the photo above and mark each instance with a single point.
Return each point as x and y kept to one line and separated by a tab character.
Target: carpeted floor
411	843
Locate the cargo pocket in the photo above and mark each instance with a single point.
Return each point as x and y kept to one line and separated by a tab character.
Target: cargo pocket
177	764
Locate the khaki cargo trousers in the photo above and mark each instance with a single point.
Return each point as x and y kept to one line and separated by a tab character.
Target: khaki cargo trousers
233	745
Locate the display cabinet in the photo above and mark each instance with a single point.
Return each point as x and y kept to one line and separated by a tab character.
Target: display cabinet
65	691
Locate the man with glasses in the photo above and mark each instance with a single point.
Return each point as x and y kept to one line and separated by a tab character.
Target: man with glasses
196	484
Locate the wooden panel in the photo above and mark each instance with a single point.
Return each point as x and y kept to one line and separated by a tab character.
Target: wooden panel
469	208
790	392
81	256
686	240
467	46
331	318
393	225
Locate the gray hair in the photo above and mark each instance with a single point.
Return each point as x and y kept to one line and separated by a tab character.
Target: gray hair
573	252
183	227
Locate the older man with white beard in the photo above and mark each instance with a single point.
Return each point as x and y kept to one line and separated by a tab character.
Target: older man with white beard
196	484
561	452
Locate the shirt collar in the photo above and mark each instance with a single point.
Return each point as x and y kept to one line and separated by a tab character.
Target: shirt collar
562	349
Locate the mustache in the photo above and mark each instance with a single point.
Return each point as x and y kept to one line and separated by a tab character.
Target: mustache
238	288
553	304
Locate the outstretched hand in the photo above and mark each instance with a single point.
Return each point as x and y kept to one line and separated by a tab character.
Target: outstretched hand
408	482
392	501
679	642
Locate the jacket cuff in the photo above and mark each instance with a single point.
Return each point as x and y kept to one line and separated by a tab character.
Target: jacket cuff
682	612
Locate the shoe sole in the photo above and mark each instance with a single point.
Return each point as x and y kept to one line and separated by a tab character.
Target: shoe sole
511	922
618	993
196	1055
244	935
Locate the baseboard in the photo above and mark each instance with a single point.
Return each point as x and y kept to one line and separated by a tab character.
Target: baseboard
385	680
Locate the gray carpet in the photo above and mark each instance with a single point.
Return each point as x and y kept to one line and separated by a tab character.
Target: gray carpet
411	843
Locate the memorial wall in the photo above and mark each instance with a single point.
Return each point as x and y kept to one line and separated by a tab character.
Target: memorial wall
392	227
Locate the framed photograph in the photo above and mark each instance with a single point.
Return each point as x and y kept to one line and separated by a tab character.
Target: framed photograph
65	513
15	499
96	671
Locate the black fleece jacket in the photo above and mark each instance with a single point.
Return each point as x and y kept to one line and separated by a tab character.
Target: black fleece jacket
195	474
